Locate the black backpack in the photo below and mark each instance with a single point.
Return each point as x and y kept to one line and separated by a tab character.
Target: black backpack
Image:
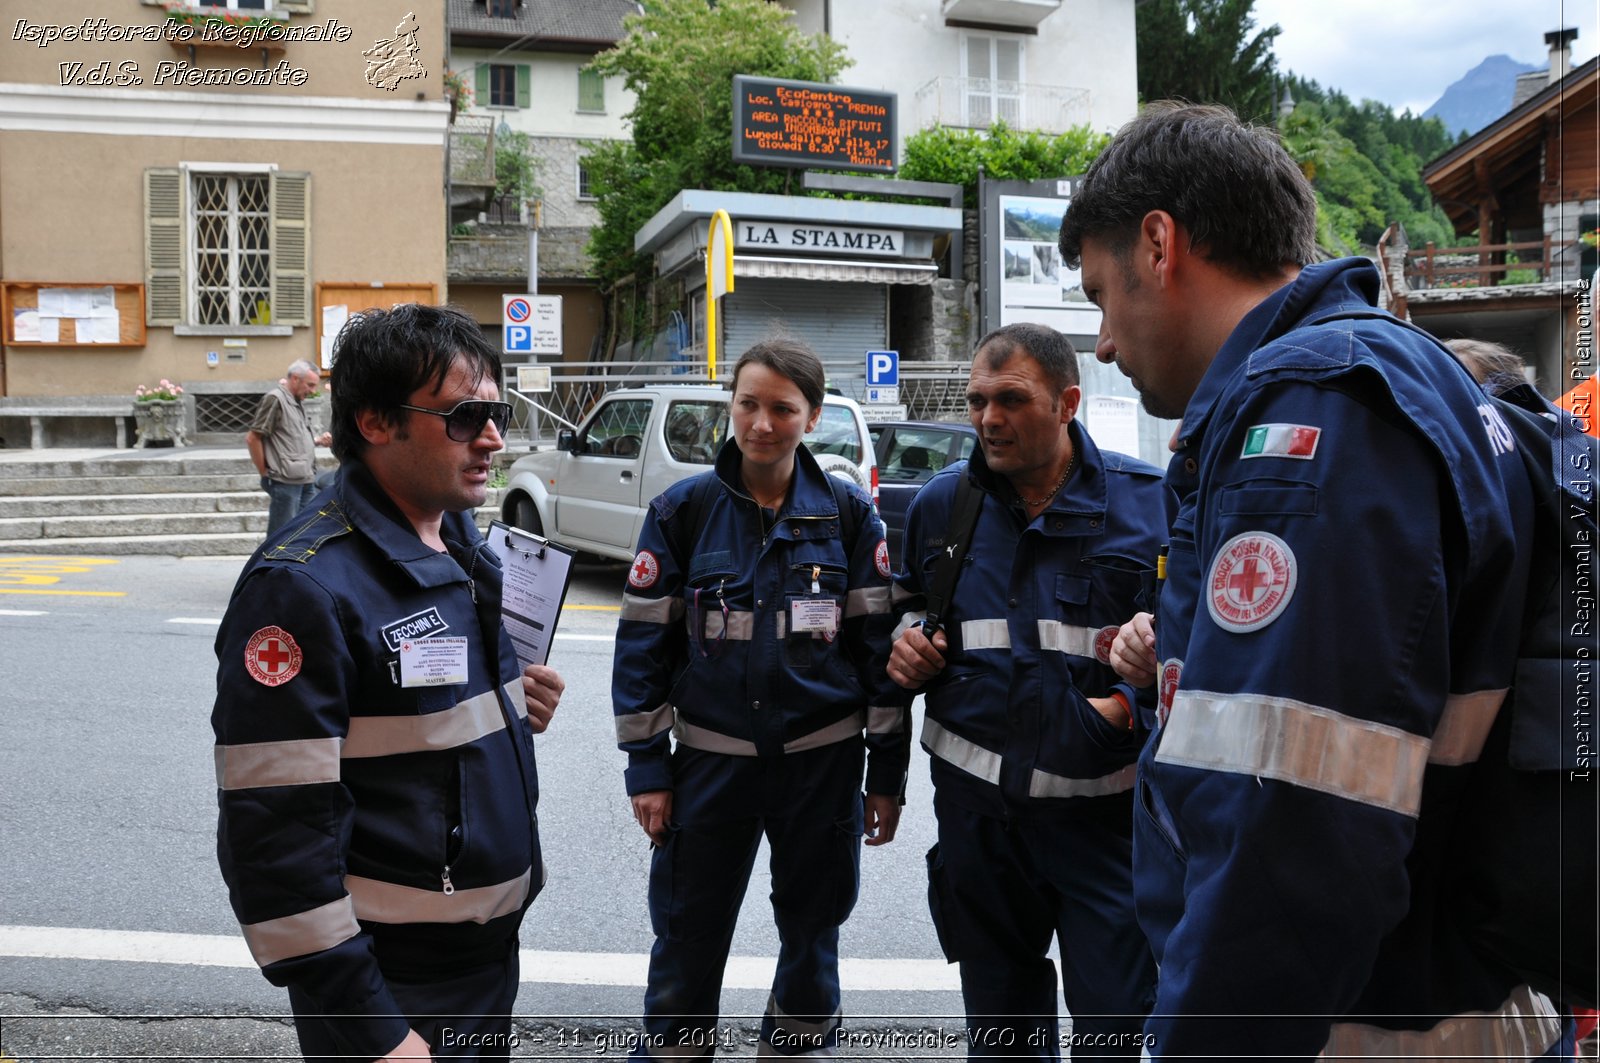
1527	892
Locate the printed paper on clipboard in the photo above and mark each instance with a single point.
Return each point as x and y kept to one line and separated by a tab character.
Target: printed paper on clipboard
536	573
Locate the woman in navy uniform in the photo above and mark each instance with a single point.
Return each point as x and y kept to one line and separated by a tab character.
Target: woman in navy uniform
755	630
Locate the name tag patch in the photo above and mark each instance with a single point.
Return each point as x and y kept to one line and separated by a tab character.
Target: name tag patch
425	624
433	662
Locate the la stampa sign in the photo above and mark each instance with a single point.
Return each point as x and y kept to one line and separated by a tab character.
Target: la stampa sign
830	239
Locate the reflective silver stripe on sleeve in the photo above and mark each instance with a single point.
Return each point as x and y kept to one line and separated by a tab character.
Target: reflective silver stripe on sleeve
1044	784
1464	727
793	1032
885	719
640	726
968	756
387	902
866	601
696	737
1524	1027
985	635
898	594
459	725
1294	742
301	934
294	763
1067	638
651	610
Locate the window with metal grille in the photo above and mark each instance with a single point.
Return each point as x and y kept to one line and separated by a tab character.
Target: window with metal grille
584	191
502	85
591	91
232	229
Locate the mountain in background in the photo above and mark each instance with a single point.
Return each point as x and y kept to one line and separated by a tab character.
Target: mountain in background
1482	95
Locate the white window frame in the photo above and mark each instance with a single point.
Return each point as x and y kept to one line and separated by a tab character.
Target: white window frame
191	248
993	96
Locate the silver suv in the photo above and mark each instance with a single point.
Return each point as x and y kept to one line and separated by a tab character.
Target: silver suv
591	491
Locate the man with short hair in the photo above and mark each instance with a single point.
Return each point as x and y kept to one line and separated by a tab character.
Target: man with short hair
1337	629
282	447
375	758
1028	730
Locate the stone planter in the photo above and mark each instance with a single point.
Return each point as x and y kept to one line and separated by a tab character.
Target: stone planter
161	423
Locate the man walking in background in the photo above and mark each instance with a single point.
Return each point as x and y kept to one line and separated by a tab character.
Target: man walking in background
282	447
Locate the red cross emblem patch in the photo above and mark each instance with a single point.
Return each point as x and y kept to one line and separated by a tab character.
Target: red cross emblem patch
1251	581
1171	673
272	657
1102	643
880	558
645	571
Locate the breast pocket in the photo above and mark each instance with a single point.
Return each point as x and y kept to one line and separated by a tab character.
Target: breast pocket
814	602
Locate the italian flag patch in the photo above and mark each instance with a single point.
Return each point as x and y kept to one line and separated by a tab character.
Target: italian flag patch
1281	441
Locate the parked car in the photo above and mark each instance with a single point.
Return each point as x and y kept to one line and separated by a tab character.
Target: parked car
591	491
909	453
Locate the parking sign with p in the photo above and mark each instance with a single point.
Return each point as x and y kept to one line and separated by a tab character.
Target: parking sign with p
883	368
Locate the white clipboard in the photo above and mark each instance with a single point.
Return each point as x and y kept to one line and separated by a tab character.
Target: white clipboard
536	574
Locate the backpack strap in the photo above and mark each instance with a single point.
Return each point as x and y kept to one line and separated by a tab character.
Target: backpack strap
957	538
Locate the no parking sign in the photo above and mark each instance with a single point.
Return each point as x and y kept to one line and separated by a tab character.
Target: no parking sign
530	324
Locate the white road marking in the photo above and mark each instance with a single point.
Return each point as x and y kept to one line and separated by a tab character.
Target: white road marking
549	968
23	612
211	621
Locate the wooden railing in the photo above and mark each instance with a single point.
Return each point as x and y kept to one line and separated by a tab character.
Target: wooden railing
1440	267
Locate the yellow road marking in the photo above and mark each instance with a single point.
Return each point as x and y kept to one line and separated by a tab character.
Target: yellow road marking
46	570
595	608
69	594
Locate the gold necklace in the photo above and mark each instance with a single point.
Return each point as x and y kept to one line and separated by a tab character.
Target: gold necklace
1072	463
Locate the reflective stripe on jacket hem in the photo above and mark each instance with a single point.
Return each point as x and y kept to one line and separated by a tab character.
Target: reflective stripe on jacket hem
984	763
459	725
1464	727
1297	743
1524	1027
1044	784
703	738
301	934
387	902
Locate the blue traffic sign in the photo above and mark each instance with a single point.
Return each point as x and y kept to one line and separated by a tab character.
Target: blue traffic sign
883	368
518	339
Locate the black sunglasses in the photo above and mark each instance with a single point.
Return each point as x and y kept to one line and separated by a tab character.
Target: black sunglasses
464	422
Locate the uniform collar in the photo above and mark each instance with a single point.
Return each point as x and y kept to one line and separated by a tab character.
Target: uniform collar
374	515
1346	283
1083	496
809	496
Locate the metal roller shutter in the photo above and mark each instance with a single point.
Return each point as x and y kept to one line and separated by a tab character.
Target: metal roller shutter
838	321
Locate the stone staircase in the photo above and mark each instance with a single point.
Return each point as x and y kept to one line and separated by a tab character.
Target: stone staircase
185	502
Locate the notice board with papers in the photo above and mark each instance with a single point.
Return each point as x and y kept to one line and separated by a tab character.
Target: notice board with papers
71	314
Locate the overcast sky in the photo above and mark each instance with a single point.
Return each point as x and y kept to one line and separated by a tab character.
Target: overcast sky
1407	52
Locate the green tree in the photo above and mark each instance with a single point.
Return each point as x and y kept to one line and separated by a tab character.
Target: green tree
954	155
1206	51
516	169
679	58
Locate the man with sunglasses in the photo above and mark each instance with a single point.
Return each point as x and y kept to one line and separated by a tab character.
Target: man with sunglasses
375	758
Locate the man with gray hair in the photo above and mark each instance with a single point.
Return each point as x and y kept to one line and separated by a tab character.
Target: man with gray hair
282	446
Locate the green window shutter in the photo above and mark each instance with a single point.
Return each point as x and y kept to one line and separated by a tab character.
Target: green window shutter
591	90
524	85
291	250
296	7
480	95
163	247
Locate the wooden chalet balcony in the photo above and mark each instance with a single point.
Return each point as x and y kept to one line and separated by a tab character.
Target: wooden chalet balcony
1479	265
